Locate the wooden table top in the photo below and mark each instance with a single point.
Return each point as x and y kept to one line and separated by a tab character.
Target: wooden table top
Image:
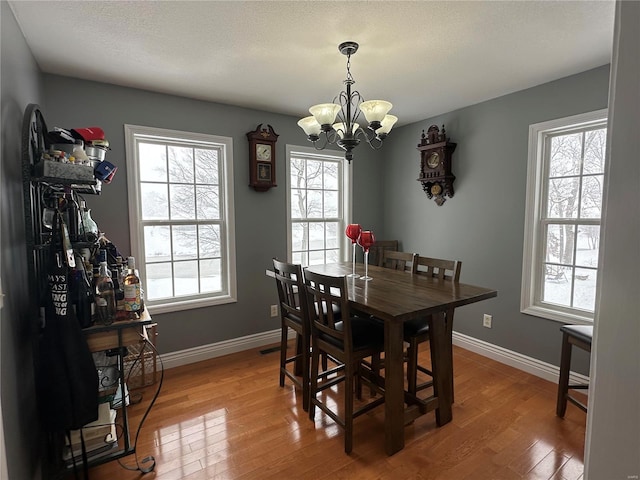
399	296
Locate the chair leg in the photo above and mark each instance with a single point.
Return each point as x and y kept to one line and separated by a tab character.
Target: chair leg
348	407
563	381
305	373
283	352
376	365
313	383
412	367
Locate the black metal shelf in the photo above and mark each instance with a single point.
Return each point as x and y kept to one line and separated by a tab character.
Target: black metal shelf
37	188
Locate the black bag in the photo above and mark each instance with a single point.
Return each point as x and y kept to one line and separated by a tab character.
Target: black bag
67	377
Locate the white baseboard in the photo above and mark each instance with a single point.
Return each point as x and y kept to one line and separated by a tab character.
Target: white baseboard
499	354
514	359
213	350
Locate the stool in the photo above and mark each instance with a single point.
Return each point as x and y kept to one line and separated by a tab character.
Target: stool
580	336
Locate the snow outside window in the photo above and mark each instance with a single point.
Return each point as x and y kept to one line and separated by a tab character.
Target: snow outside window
562	224
180	209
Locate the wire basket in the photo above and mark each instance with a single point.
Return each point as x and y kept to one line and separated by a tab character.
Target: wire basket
140	365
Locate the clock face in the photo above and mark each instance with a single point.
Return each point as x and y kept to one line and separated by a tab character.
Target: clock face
263	152
433	160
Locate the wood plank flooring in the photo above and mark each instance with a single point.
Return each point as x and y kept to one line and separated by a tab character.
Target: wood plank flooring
227	418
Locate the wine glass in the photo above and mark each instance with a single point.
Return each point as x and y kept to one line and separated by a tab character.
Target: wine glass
365	240
353	232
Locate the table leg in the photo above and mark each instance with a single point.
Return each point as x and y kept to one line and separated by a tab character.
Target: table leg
442	365
394	388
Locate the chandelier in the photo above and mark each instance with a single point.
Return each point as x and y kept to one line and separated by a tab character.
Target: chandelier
337	122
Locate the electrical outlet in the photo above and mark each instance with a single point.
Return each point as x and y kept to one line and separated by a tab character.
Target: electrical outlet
274	310
486	320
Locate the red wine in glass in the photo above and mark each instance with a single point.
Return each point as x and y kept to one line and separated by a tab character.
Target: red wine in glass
353	232
366	240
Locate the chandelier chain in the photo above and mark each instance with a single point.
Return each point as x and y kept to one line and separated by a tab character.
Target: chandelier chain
349	76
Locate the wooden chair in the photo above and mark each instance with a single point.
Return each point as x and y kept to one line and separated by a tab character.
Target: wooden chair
580	336
294	314
348	340
417	331
398	260
376	250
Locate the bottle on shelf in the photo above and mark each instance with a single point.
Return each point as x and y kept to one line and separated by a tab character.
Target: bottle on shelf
105	296
79	154
102	257
87	228
118	280
71	215
132	290
117	274
82	295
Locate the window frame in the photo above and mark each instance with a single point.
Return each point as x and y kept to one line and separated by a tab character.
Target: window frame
534	225
345	200
134	133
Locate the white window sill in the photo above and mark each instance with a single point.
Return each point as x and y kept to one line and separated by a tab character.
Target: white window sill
174	305
557	316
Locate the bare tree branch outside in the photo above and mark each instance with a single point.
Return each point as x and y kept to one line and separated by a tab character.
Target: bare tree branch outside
572	217
180	195
315	210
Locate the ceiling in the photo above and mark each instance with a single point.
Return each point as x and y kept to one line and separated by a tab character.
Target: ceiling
426	57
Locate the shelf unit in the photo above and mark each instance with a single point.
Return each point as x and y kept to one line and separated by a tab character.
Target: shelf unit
116	337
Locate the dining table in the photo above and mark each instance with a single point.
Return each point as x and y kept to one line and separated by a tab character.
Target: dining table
395	297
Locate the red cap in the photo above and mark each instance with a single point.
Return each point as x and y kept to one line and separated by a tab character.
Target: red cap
89	133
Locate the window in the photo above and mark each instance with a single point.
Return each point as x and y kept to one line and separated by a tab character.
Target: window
181	216
562	223
318	205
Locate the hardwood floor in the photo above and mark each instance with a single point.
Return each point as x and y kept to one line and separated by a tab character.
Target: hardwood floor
227	418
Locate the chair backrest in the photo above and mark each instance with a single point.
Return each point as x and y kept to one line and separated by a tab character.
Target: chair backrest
398	260
329	294
377	249
290	284
439	268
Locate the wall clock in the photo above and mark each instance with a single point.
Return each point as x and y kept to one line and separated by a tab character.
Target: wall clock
435	164
262	158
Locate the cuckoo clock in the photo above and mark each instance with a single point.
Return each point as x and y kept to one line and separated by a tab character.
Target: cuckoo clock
435	164
262	158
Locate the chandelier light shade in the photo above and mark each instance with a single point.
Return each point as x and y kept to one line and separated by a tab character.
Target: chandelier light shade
343	130
337	122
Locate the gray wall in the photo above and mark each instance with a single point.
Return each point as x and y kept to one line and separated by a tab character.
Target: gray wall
613	433
20	86
483	224
260	218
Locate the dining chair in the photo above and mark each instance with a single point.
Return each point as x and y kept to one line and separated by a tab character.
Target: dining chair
394	260
398	260
380	246
349	340
417	331
294	314
580	336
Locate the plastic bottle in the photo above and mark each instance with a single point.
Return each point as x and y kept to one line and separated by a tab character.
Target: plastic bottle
105	296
